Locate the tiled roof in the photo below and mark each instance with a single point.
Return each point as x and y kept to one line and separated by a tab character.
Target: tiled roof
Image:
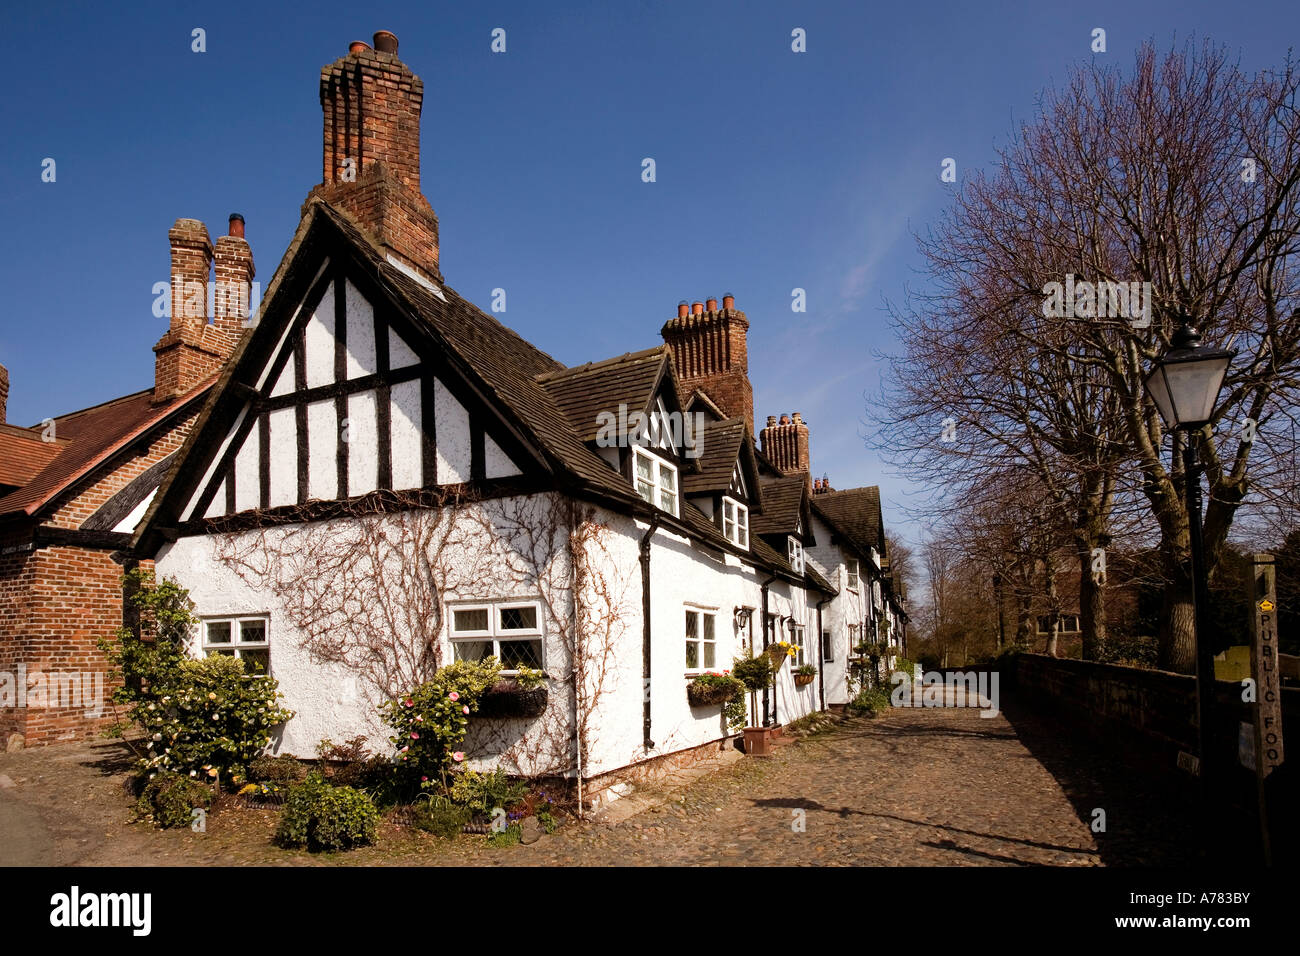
782	498
23	455
585	391
89	437
855	512
719	444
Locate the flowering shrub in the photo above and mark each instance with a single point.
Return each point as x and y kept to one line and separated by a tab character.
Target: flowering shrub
206	717
429	723
484	792
209	718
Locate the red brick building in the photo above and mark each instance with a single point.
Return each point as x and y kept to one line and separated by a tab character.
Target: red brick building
73	488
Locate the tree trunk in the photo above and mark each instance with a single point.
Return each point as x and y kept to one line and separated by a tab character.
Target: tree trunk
1025	620
1178	622
1092	609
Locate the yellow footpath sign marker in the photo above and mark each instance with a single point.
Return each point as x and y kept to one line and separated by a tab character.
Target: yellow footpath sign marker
1266	605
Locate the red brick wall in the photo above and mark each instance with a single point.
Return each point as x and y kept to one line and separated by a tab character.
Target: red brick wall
55	604
106	481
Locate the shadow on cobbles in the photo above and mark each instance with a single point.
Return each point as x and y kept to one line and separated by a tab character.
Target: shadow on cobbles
1152	813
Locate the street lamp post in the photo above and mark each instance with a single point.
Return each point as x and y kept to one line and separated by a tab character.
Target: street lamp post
1184	383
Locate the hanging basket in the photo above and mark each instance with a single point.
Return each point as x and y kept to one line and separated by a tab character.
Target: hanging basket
803	680
779	654
506	698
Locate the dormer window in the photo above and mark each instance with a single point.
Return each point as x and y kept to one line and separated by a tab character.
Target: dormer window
735	522
656	480
794	551
851	568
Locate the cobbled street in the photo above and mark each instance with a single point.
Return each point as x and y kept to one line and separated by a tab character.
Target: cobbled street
936	786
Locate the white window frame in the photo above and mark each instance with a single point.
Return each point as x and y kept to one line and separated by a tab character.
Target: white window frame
701	613
798	635
658	468
854	571
235	644
495	634
794	553
739	521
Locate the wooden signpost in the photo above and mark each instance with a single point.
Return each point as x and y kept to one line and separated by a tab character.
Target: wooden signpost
1268	753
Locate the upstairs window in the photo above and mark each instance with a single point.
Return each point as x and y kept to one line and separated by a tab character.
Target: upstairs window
735	522
794	551
851	566
656	480
510	631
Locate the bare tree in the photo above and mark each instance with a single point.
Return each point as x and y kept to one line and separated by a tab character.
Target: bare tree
1183	178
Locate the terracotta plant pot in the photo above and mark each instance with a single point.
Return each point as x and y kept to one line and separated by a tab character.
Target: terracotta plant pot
758	741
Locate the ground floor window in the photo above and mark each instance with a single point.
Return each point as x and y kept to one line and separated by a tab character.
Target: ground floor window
510	631
797	638
828	647
247	638
701	640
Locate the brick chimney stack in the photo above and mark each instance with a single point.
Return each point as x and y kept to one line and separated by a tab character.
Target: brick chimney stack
191	350
785	445
710	353
234	272
371	161
4	392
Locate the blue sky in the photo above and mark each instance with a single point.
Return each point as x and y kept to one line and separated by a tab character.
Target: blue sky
775	170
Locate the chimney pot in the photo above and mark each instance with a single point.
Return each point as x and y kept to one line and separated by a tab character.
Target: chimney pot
728	301
712	305
386	42
237	225
798	419
771	420
683	309
4	392
356	46
785	419
697	308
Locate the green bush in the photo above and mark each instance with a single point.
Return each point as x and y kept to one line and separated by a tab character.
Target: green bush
441	817
170	800
325	818
510	836
870	702
484	792
755	673
282	770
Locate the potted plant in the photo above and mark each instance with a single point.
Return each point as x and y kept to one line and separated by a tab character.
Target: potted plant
755	673
804	675
523	694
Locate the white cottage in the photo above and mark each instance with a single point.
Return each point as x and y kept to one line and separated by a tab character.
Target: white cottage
387	479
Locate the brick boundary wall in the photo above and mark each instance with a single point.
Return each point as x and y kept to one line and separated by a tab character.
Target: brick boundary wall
1159	706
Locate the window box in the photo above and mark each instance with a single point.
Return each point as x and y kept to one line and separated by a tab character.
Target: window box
506	698
709	690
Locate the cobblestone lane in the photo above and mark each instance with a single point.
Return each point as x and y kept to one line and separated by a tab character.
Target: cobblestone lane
922	787
915	787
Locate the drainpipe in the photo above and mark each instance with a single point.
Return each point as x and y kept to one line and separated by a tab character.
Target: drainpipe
646	741
766	690
821	655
